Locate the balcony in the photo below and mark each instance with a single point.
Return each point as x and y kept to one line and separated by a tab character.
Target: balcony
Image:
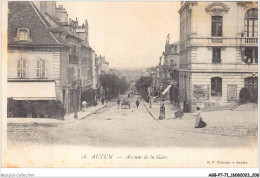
73	59
222	41
249	41
224	67
216	40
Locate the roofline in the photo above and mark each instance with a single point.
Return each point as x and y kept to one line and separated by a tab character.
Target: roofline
72	35
41	18
25	45
184	5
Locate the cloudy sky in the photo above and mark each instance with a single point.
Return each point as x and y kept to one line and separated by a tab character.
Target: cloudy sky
129	34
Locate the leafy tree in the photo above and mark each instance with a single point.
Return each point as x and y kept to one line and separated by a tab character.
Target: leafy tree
113	85
142	86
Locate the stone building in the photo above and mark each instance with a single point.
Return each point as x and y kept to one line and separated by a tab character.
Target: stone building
35	56
46	49
79	77
103	65
169	62
218	52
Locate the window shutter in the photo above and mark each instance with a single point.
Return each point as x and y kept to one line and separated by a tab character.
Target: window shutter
19	68
38	68
74	73
24	68
43	72
79	74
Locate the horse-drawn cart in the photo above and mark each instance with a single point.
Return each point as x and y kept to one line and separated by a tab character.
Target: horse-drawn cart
125	103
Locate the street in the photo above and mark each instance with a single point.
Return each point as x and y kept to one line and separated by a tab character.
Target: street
134	127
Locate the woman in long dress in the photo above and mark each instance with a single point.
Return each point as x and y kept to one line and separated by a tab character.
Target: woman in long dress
199	122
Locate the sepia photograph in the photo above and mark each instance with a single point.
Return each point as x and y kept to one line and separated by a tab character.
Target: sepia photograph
116	84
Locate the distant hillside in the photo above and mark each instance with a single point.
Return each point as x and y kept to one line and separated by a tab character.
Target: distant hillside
132	75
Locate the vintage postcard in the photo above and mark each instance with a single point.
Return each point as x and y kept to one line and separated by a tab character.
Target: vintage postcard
130	84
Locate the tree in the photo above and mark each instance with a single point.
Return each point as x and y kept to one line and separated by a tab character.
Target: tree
142	86
113	85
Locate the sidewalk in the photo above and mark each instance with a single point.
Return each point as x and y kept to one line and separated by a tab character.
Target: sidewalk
67	118
81	114
155	110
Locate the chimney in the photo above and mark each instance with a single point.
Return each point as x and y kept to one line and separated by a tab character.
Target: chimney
48	7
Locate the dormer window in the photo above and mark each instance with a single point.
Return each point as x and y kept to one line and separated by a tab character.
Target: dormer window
23	34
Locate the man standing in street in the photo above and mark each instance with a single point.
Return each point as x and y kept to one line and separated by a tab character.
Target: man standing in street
118	103
102	100
137	103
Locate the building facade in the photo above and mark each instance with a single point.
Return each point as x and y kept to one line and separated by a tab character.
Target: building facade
35	64
45	48
169	63
218	52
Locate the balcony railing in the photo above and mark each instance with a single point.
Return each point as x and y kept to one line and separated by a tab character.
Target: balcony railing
73	59
222	41
216	40
251	40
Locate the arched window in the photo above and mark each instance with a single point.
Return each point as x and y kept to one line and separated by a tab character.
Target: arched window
251	23
216	86
252	83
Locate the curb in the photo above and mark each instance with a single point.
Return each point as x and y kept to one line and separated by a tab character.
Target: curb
148	110
93	112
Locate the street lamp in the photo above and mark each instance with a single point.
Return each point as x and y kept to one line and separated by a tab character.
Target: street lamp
76	105
150	96
162	107
161	87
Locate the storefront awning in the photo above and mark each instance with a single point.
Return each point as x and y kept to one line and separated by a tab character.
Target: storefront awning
173	83
31	90
166	89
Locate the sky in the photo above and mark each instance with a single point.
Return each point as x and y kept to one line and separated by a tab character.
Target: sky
128	34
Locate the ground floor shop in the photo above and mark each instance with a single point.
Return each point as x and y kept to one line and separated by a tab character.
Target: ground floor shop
209	90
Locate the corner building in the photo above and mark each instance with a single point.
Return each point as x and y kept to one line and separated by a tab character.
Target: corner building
218	52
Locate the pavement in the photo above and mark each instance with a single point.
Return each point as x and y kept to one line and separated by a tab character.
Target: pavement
88	111
170	109
67	118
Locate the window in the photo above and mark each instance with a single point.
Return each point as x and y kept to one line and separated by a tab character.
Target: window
251	55
216	86
22	34
252	84
216	55
251	23
74	50
78	73
21	68
216	26
40	68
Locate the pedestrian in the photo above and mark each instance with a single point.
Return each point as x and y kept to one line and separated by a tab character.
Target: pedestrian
102	100
199	122
162	112
84	106
128	95
118	103
95	102
137	103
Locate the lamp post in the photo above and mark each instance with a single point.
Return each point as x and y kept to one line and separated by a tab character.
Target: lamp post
162	107
76	105
150	96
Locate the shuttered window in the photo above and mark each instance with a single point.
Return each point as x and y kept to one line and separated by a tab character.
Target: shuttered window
40	68
21	68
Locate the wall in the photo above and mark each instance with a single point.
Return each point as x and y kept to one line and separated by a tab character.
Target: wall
52	65
227	79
